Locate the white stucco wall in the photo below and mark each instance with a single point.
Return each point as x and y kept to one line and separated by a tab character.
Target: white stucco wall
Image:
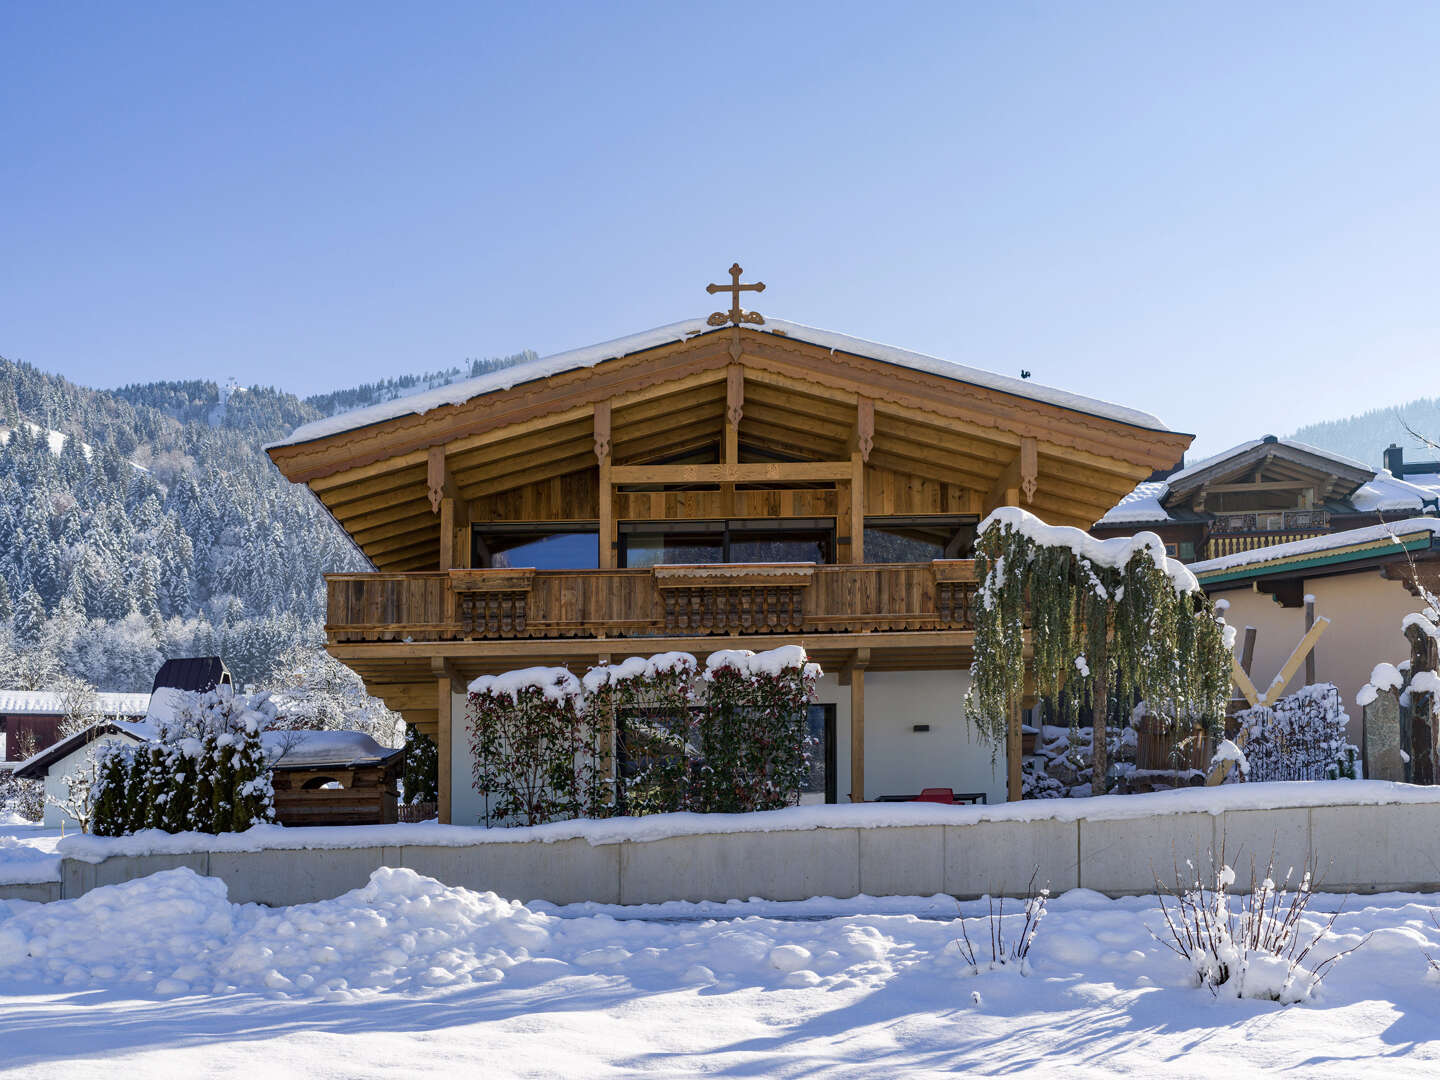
69	765
1364	611
898	760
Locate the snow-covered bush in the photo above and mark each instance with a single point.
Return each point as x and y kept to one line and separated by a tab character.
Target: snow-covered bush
1256	946
1006	949
1110	621
1301	737
205	770
649	735
648	702
536	752
754	741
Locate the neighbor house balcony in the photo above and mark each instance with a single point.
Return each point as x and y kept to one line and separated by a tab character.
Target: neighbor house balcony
654	602
1231	533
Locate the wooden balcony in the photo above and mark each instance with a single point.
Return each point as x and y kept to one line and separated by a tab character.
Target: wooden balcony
663	601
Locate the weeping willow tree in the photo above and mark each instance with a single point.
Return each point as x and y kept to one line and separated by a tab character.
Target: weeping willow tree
1110	621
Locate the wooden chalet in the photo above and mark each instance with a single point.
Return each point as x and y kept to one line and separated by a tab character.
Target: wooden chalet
731	482
1270	491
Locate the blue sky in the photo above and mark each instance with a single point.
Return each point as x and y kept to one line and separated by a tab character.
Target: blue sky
1225	214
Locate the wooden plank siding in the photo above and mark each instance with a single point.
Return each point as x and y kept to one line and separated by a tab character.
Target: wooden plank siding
632	603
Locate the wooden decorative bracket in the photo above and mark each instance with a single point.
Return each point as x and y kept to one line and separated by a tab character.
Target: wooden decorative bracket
864	427
734	395
441	484
1029	468
602	431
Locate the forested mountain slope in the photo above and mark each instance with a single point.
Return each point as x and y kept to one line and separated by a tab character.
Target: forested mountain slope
1365	436
169	533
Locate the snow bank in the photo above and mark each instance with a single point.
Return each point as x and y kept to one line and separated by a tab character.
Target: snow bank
1213	800
1115	552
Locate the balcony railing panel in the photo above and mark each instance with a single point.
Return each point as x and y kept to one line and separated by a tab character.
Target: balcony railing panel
664	601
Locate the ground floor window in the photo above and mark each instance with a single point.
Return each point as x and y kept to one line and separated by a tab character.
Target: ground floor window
821	719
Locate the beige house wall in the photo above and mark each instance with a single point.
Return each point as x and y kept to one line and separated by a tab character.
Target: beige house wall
1364	610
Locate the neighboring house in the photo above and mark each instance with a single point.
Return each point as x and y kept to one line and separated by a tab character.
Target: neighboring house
70	757
1270	491
30	719
705	486
1365	581
198	673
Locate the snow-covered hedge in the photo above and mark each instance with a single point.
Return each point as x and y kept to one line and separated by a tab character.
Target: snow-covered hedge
205	771
649	735
1301	737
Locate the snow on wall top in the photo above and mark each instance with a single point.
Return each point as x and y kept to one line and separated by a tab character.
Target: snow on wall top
48	703
1319	544
458	392
1209	800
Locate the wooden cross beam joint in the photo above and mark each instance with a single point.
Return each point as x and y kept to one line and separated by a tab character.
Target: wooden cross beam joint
736	314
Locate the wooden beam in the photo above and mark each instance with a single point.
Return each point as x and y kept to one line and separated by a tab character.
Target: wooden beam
1292	665
444	731
864	427
857	735
1309	656
441	484
606	489
1005	491
751	473
857	507
1268	485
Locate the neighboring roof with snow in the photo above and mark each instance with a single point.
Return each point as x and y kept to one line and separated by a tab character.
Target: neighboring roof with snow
1389	492
36	767
1395	538
1206	464
200	673
50	703
466	389
324	749
1140	507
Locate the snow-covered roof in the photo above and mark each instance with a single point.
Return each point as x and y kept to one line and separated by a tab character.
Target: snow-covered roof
314	749
1389	492
1139	507
50	703
1378	535
1235	451
457	392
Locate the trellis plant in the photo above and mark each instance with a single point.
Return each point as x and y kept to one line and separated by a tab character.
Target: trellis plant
1110	622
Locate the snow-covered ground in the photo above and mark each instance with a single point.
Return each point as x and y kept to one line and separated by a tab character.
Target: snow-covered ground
27	851
163	977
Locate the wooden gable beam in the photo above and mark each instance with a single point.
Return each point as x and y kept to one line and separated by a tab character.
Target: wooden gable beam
605	490
438	479
1020	475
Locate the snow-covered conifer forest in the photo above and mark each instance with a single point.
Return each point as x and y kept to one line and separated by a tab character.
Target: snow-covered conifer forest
146	522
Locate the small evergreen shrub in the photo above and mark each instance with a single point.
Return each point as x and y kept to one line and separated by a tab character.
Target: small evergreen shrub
205	772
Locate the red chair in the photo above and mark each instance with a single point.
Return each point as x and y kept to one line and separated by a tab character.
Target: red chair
937	794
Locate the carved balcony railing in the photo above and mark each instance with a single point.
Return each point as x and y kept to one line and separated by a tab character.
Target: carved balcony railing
661	601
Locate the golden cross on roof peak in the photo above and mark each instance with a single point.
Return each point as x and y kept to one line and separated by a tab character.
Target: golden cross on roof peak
735	314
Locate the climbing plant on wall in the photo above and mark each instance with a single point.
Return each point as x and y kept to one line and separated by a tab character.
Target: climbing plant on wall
1110	622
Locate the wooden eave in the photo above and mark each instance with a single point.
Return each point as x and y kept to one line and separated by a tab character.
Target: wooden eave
800	401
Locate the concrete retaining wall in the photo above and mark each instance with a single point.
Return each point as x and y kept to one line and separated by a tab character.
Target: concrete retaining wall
1359	848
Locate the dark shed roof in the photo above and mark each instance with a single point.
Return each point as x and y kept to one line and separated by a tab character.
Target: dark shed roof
200	673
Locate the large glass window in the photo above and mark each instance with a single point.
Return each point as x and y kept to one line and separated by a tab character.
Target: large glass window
895	540
660	544
821	722
540	547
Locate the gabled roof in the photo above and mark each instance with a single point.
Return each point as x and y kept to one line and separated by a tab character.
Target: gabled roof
459	392
35	768
1241	459
200	673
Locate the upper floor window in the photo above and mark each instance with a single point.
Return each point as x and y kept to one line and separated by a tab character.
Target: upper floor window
544	547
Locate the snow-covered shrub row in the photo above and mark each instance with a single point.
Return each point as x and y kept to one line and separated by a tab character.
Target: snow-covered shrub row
1301	737
649	735
205	771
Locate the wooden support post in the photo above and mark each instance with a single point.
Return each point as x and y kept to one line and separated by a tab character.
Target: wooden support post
857	736
1014	750
1423	729
1100	718
857	507
1309	625
1247	651
443	740
605	491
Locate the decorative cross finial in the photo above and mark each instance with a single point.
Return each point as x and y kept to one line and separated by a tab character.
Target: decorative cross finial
735	314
